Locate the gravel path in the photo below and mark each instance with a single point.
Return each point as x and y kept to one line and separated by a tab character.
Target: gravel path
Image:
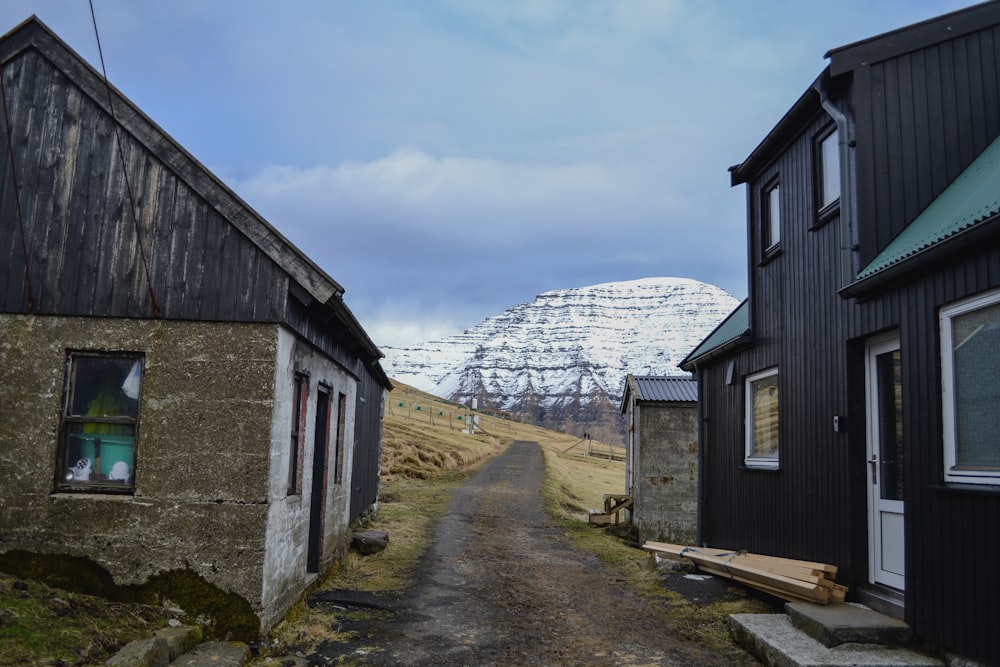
502	586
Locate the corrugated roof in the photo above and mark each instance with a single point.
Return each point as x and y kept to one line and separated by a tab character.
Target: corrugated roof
666	389
972	198
731	329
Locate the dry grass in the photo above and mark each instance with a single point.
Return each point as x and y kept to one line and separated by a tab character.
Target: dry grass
425	457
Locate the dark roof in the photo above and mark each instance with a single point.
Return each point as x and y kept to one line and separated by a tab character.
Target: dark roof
659	389
666	389
910	38
731	332
845	59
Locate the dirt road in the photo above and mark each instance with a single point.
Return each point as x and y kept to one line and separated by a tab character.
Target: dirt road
502	586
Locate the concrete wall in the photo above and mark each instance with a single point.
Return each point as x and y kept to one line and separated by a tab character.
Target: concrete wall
202	451
665	472
288	515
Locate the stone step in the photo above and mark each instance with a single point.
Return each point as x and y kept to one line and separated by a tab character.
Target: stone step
835	624
215	654
776	641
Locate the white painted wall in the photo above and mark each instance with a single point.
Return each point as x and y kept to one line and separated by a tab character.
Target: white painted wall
287	540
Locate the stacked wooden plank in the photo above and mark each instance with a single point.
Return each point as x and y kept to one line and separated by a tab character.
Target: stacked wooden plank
793	580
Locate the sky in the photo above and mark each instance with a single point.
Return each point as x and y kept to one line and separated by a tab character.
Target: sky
444	160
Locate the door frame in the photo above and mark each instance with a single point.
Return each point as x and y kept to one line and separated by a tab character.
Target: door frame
876	505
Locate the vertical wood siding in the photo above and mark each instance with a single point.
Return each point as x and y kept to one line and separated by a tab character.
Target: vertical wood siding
921	119
368	444
83	250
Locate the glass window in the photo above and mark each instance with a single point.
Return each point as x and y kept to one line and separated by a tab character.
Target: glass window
762	419
300	395
341	422
970	388
100	416
771	215
828	170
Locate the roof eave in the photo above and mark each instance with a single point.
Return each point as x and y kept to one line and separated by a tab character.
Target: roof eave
968	240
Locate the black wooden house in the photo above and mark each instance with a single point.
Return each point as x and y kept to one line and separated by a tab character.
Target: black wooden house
850	409
181	388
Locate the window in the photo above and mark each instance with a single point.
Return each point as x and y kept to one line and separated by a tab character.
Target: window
296	452
762	419
341	423
770	205
99	421
827	174
970	389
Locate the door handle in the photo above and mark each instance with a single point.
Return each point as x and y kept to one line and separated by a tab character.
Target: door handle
873	462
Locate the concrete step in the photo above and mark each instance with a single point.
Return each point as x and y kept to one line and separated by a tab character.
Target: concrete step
835	624
776	641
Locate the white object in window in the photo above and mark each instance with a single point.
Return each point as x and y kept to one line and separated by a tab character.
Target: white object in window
970	389
762	420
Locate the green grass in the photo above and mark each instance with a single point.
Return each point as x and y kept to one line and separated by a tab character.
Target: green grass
40	625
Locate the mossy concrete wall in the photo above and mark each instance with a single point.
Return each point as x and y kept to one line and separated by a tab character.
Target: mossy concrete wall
665	472
202	459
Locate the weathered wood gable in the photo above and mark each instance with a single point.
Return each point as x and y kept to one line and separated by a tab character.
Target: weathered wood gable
193	250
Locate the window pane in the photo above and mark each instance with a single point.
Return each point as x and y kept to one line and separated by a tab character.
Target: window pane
765	417
105	386
772	214
96	456
829	170
976	337
890	420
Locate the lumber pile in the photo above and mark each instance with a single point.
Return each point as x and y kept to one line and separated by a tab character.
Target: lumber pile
793	580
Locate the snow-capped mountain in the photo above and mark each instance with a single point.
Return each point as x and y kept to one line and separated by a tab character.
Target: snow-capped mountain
561	360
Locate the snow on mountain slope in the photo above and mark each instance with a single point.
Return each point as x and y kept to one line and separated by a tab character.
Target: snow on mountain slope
562	358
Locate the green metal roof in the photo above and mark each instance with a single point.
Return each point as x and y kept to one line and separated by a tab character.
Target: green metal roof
731	329
972	198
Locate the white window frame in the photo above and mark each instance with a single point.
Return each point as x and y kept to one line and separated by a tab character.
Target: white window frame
951	472
749	460
828	168
770	229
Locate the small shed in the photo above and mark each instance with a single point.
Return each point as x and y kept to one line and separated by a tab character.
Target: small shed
661	449
182	390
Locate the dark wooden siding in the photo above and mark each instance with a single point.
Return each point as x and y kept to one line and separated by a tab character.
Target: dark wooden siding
83	250
368	444
922	118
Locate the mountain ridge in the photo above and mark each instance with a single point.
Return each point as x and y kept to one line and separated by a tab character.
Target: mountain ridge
561	359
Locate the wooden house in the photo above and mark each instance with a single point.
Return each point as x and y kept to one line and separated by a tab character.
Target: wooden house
661	457
849	412
180	387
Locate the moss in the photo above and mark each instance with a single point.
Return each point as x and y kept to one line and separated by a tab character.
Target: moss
225	615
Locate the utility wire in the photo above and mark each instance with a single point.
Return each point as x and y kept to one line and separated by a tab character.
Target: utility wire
121	157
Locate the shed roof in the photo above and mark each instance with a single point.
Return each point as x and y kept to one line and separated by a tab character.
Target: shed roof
971	200
733	330
672	389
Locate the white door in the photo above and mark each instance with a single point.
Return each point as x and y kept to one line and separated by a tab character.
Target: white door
884	389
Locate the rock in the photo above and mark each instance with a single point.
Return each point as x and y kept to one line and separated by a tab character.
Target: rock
180	639
368	542
216	654
152	652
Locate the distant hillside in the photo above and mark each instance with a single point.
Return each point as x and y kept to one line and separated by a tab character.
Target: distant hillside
561	359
